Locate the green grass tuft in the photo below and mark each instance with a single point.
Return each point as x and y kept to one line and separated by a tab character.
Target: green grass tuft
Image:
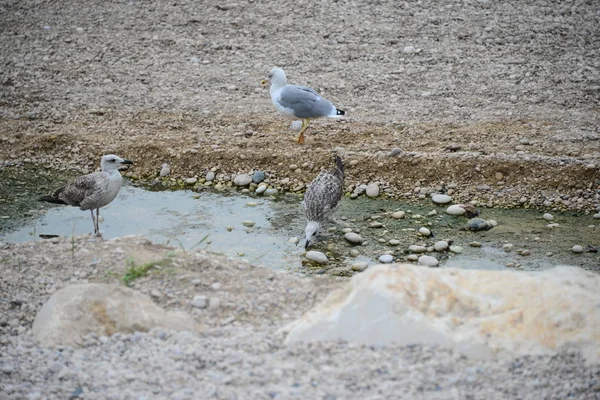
135	271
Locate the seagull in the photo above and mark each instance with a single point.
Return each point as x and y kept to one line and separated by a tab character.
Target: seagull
165	170
92	191
298	101
322	198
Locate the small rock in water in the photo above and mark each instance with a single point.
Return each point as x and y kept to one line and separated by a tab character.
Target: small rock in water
596	216
317	256
372	190
525	252
548	217
475	244
294	240
508	247
412	257
455	209
415	248
165	170
261	189
386	259
442	245
242	180
248	223
354	238
200	302
398	215
271	192
432	213
577	249
191	181
478	224
441	199
456	249
376	225
394	242
424	231
359	266
428	261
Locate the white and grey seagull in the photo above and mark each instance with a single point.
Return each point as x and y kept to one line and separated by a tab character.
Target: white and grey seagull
298	101
322	198
92	191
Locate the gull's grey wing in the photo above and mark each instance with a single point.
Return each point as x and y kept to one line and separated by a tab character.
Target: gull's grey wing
305	102
323	196
79	192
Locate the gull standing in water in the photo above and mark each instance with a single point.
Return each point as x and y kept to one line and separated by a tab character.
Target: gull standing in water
322	198
92	191
298	101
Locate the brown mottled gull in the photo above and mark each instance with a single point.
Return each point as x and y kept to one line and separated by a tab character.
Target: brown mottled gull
92	191
322	198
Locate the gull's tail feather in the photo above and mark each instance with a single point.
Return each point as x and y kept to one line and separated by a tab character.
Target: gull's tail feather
54	197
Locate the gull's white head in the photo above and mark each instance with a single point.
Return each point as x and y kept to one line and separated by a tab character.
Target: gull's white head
311	230
110	162
276	77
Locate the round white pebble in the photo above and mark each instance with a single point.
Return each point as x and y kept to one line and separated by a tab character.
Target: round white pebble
455	209
386	259
415	248
428	261
441	198
354	238
442	245
424	231
548	217
399	215
317	256
577	249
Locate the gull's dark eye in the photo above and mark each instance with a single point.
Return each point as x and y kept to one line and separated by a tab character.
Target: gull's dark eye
112	160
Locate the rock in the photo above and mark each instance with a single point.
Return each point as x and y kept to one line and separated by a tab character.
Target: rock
294	240
376	224
258	176
432	213
478	224
440	246
354	253
317	256
199	302
412	257
248	223
386	259
409	50
271	192
428	261
425	231
456	249
548	217
359	266
372	190
165	170
242	180
441	199
210	176
394	242
296	125
596	216
77	310
481	314
354	238
455	209
577	249
398	215
525	252
191	181
261	189
507	247
7	369
475	244
415	248
396	151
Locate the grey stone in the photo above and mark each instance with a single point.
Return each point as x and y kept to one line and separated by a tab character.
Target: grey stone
354	238
258	176
242	180
317	256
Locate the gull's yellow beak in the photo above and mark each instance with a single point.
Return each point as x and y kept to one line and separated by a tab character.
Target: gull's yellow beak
264	81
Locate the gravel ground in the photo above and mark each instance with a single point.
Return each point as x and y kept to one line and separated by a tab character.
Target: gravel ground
476	93
241	355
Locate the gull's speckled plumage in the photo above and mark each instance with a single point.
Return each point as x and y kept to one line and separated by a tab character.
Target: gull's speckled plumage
322	198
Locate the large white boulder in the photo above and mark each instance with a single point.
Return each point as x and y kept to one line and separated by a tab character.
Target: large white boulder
477	312
75	311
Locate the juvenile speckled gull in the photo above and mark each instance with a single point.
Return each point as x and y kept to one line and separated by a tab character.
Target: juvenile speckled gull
322	198
92	191
298	101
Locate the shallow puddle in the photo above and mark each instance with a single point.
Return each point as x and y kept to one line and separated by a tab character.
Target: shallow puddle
215	221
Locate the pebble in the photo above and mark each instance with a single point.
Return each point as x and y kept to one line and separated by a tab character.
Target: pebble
596	216
242	180
191	181
415	248
354	253
294	240
347	230
248	223
359	266
372	190
455	210
508	247
412	257
424	231
409	49
428	261
386	259
258	176
296	125
441	245
394	242
354	238
441	198
525	253
271	192
317	256
396	151
577	249
165	170
478	224
376	225
475	244
548	217
200	302
432	213
155	293
398	215
261	189
456	249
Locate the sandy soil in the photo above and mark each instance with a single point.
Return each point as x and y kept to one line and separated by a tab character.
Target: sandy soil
503	95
